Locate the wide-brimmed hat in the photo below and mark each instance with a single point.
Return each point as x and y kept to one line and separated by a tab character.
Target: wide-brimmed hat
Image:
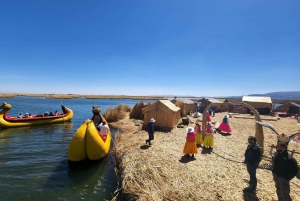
283	138
152	120
189	129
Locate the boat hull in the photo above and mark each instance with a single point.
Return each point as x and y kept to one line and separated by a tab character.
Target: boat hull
77	147
9	122
96	147
87	144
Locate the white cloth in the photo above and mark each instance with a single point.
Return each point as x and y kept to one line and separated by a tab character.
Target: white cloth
104	129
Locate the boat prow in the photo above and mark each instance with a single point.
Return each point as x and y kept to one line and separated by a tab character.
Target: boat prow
88	143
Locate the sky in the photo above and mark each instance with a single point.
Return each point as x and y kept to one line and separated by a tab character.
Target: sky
203	48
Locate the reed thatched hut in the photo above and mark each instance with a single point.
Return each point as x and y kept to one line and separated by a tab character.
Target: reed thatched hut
165	113
262	104
223	106
290	108
202	103
186	105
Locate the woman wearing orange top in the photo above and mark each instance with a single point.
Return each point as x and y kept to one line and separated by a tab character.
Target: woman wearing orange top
190	144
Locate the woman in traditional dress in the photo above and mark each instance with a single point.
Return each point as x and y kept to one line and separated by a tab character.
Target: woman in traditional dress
198	131
224	126
190	144
209	136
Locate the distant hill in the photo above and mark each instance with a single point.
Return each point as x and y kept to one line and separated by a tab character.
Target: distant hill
288	95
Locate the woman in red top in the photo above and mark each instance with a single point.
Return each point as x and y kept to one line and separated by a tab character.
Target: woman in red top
198	130
190	144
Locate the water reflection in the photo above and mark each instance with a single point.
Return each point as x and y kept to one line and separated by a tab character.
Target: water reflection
7	133
89	177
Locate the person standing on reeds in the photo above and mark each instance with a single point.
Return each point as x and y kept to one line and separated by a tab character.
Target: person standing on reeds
190	143
224	126
150	131
198	130
284	168
209	136
252	159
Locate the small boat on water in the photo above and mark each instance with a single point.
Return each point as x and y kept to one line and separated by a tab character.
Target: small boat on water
88	142
7	121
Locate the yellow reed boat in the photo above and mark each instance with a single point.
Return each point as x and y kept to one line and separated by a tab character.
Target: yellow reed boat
88	142
7	121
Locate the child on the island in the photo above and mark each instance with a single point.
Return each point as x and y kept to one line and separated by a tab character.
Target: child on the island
224	126
198	131
209	136
190	144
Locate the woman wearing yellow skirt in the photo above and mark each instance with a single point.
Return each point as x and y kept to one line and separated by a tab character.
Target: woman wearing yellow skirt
198	130
190	144
209	136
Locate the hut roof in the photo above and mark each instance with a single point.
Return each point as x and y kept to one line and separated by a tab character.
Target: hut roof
257	99
185	100
213	100
165	103
222	100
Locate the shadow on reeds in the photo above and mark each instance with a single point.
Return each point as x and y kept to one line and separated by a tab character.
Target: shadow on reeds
250	196
224	133
145	147
298	175
185	159
206	150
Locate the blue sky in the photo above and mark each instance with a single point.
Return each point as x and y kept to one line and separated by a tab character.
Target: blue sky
157	47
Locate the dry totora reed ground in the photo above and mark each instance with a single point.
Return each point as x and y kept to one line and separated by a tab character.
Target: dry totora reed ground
160	172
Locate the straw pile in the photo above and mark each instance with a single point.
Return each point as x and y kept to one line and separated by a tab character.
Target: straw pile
160	172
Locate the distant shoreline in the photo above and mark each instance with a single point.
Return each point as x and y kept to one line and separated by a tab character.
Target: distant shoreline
71	96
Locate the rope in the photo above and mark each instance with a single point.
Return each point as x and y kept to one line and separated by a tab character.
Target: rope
174	138
227	158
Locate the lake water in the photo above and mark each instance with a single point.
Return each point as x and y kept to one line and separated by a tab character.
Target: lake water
34	162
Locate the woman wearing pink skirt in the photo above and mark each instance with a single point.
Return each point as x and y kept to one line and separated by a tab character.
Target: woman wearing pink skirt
224	126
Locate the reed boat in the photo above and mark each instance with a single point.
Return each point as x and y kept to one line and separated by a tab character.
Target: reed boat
88	142
7	121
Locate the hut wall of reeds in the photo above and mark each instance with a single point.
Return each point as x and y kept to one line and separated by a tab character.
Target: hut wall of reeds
165	113
204	102
186	106
223	106
290	108
262	104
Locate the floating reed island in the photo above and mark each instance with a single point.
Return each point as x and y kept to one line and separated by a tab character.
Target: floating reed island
161	172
